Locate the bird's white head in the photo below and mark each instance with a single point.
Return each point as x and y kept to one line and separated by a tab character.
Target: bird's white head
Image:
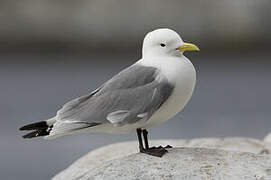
165	42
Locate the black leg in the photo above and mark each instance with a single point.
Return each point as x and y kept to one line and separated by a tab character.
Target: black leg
145	135
154	151
139	131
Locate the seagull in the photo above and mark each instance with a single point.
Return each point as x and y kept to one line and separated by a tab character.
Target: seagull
145	94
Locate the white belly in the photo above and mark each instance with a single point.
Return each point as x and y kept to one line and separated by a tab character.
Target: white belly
183	74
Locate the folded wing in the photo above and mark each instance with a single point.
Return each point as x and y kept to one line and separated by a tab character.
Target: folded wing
131	96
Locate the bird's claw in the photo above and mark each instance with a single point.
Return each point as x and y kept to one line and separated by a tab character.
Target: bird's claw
154	151
168	146
160	147
157	151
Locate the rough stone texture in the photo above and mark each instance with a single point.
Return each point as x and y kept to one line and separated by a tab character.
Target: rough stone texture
229	158
267	138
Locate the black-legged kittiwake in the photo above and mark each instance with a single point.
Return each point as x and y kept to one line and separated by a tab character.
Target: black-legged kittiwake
147	93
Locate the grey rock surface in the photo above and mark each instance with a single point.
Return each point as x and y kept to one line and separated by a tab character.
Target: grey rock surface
267	138
206	158
185	163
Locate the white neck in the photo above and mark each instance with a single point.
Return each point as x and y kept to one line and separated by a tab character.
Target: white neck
171	66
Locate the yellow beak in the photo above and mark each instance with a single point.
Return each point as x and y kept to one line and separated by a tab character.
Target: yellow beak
188	47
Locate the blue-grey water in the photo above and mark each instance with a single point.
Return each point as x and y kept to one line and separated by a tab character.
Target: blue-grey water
232	98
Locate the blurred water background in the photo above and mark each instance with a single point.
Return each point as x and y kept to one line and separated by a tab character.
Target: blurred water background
53	51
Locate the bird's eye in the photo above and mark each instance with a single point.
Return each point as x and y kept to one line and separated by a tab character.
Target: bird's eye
162	45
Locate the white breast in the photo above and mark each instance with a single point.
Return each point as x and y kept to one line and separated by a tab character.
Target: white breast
180	72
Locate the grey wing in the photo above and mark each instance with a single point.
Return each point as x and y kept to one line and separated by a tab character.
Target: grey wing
132	95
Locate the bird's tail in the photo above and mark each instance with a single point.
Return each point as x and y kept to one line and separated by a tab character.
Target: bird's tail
37	129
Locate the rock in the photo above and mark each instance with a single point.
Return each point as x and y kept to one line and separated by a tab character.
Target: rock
230	158
268	138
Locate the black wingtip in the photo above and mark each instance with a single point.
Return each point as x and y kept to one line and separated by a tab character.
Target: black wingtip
37	133
34	126
38	129
22	128
30	135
